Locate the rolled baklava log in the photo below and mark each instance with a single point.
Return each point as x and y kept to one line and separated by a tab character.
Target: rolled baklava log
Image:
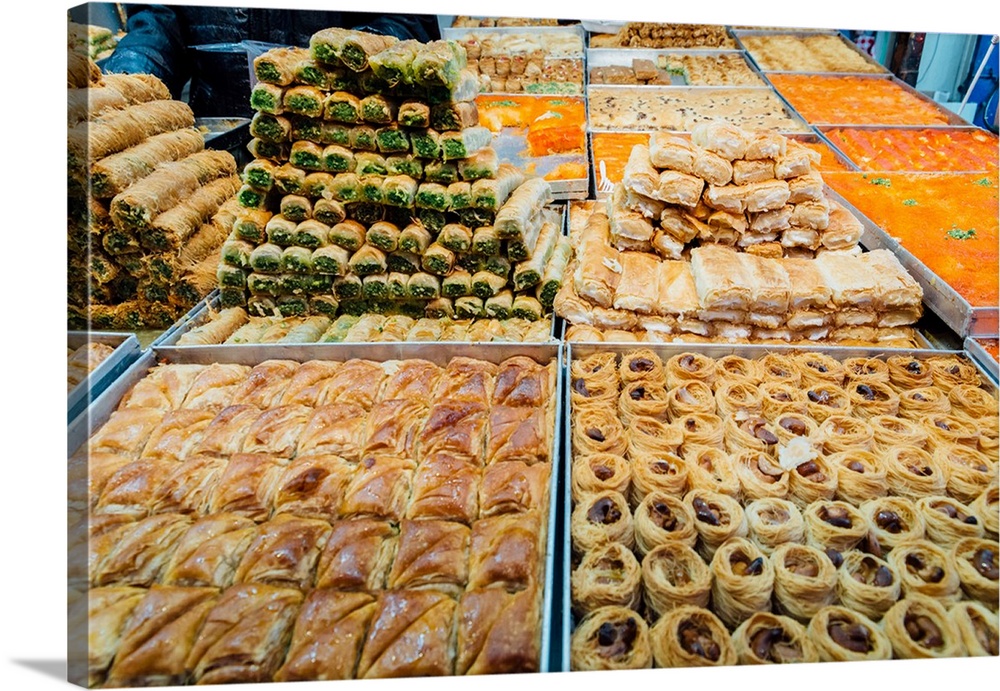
845	433
825	399
949	371
690	397
978	565
642	398
760	475
814	480
945	429
987	509
978	628
866	370
926	569
718	517
608	574
767	638
700	429
599	519
834	524
691	636
648	435
792	425
948	520
773	522
738	367
860	476
611	638
666	473
919	627
867	584
598	430
599	472
749	432
711	469
642	364
871	398
893	520
906	373
917	404
742	581
661	518
891	430
841	635
674	575
805	580
914	473
737	397
777	367
687	366
972	402
969	471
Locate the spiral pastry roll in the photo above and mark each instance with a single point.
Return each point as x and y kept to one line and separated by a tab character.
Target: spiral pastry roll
648	435
977	562
987	509
766	639
611	638
642	398
817	368
711	469
662	518
641	365
969	471
845	433
598	430
919	627
777	398
949	371
788	426
690	397
867	584
842	635
861	476
738	367
972	401
914	473
805	580
599	519
978	628
917	404
772	522
814	480
701	430
760	475
778	367
890	430
944	429
673	575
948	520
926	569
893	520
687	366
667	473
866	370
906	373
607	575
742	581
834	524
718	517
599	472
692	637
869	399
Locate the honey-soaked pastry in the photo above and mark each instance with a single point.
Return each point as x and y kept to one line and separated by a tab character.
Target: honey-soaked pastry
976	561
498	632
177	435
674	575
871	398
466	379
701	430
411	379
914	473
159	635
445	487
505	551
132	489
226	434
890	430
866	370
666	473
98	536
805	580
380	488
737	397
408	636
327	638
926	569
718	517
244	636
777	398
456	428
818	368
814	480
214	387
601	518
86	475
972	401
431	554
760	475
711	469
520	381
141	553
946	429
919	627
208	553
598	472
611	638
393	426
893	520
284	552
791	425
690	397
987	509
247	486
906	373
660	518
949	371
978	627
108	611
598	430
648	435
917	404
773	522
512	487
687	366
164	388
824	399
306	385
742	581
525	434
738	367
265	385
608	574
948	520
334	429
641	365
767	638
778	367
276	431
749	432
358	555
126	432
642	398
363	382
313	487
843	635
834	524
861	475
867	584
690	636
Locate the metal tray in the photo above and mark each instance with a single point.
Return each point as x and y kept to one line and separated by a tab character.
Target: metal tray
954	310
985	361
126	351
824	129
456	33
739	33
103	406
607	57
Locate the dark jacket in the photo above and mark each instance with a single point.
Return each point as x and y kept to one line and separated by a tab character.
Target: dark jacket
163	40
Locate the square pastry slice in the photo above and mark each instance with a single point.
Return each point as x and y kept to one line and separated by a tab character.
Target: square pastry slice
265	384
132	489
393	426
413	380
209	551
308	382
276	431
454	427
178	434
410	636
519	434
284	552
313	487
214	387
498	632
506	551
466	379
164	388
380	488
247	486
514	487
355	382
142	552
189	485
358	555
108	612
226	434
523	382
337	428
445	487
127	431
432	554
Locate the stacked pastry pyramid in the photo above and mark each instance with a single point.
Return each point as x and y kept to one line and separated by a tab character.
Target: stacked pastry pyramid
148	205
374	189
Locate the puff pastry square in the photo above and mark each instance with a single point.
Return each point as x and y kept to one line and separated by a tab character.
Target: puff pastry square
108	611
226	434
466	379
276	431
141	552
208	553
522	382
414	380
132	489
308	383
126	431
355	382
100	537
177	435
338	429
519	434
409	636
214	387
454	427
189	485
313	487
498	632
88	473
393	426
431	554
266	384
247	486
380	488
445	487
358	555
164	388
514	487
284	552
505	551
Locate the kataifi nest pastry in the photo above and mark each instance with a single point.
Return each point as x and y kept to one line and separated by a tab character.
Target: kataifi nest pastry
841	634
919	627
611	638
767	638
690	636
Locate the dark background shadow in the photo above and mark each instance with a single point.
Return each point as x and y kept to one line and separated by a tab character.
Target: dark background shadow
50	668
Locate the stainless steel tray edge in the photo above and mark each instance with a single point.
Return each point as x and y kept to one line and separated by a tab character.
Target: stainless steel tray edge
979	355
127	350
187	321
551	652
737	33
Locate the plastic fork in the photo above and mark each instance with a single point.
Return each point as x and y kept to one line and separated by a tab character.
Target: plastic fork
604	185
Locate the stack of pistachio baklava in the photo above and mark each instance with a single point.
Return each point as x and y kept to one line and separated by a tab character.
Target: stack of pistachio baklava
375	190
